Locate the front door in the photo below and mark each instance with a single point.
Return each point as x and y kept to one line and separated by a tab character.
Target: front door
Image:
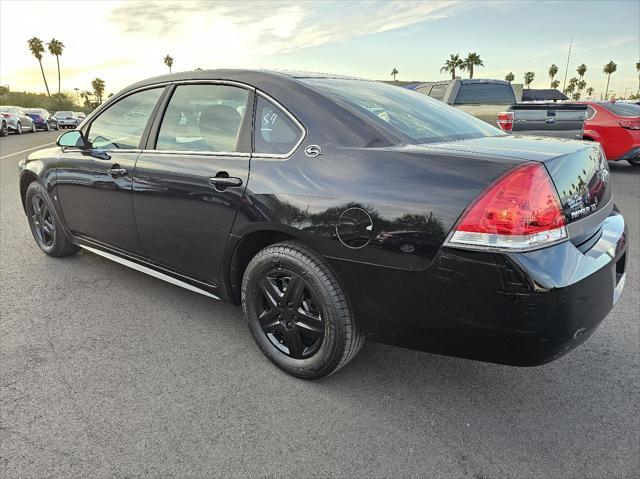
94	184
189	185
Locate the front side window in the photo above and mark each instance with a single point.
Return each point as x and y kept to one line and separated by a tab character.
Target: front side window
405	113
438	92
275	133
122	124
203	118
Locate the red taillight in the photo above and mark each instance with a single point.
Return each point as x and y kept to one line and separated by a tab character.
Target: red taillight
521	211
630	124
505	120
6	115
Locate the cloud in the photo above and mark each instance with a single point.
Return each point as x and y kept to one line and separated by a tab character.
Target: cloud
272	27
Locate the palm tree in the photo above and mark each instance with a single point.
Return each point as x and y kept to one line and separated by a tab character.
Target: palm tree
37	49
581	85
528	78
451	64
638	70
509	77
555	83
553	71
608	69
576	96
394	72
590	91
472	60
55	48
98	88
168	60
582	69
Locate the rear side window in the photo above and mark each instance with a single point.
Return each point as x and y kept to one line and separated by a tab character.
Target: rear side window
438	92
591	112
122	124
275	133
623	109
485	93
203	118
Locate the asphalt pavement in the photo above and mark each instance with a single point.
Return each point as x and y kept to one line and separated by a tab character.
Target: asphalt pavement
107	372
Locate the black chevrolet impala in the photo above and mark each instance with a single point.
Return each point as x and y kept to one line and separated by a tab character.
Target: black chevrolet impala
337	209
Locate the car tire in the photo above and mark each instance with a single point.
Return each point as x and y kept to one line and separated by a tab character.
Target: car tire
4	131
48	127
297	312
45	224
18	129
635	162
33	128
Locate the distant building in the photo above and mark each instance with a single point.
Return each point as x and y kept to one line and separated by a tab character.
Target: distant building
549	94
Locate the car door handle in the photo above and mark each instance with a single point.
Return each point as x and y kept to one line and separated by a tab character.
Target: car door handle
225	181
115	172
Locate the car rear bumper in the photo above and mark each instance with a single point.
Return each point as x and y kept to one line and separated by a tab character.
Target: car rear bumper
521	309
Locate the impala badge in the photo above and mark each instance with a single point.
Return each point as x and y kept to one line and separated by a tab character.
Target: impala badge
312	151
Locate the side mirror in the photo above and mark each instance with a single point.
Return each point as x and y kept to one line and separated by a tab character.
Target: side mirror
73	139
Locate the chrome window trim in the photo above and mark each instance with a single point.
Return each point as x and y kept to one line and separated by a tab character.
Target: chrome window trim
292	118
199	153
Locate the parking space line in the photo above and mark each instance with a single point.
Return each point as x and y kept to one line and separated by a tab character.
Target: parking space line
28	149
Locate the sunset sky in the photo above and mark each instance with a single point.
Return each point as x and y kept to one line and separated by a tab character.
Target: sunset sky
123	42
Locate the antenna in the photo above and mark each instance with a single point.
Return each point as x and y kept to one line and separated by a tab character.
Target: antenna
566	70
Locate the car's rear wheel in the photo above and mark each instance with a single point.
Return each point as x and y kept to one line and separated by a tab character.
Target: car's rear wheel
4	131
634	162
44	223
18	128
297	311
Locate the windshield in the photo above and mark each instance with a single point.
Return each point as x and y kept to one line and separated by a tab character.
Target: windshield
405	113
623	109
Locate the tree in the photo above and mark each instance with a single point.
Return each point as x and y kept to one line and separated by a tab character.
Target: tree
555	83
608	69
582	69
581	85
590	91
576	96
55	48
472	60
553	71
98	88
509	77
451	64
528	79
394	72
168	60
37	49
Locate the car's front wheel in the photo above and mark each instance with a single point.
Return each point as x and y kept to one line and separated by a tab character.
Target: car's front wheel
18	128
4	131
297	311
44	223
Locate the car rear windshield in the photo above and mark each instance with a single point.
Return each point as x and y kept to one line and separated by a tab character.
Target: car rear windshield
64	113
404	113
485	94
623	109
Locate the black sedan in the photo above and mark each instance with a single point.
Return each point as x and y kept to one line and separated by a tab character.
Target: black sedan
43	119
337	209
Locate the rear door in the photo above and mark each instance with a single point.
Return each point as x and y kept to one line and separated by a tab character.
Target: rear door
94	184
190	180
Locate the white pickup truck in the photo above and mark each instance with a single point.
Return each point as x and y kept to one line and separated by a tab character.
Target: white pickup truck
495	102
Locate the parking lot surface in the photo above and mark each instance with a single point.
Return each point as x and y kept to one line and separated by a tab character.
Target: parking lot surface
107	372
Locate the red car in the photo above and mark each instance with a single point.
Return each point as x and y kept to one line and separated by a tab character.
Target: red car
616	126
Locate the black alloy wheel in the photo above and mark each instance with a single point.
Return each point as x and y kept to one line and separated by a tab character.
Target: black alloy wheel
297	312
42	222
288	314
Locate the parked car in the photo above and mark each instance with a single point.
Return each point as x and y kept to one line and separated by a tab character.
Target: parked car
43	119
66	119
79	117
526	252
15	119
495	102
616	126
